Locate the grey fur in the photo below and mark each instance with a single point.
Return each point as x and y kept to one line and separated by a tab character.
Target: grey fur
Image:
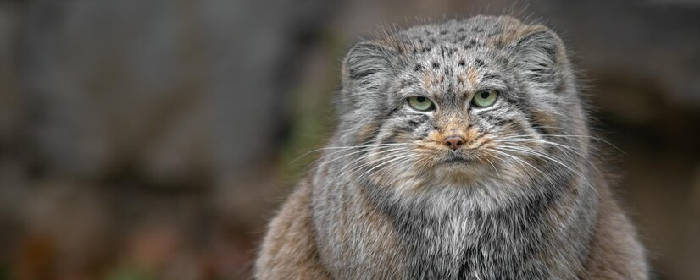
524	201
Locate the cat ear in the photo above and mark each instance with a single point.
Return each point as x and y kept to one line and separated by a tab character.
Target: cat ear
367	59
540	55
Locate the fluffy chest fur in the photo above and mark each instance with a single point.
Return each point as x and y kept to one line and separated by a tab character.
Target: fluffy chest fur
463	242
446	234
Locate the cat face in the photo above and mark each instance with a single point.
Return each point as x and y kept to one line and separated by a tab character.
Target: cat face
454	115
460	103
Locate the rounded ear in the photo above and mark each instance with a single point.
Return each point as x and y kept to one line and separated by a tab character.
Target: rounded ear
366	59
367	68
540	54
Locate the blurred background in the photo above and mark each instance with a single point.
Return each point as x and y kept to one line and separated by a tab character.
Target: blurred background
155	139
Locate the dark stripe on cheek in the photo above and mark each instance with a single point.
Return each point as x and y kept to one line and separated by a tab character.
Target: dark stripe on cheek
413	121
524	106
405	130
537	127
367	132
423	134
393	111
497	121
542	122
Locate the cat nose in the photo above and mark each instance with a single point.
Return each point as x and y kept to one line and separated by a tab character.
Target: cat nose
454	141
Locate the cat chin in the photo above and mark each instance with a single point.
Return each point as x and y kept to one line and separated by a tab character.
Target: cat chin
461	173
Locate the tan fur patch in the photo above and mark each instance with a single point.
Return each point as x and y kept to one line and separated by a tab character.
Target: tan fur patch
435	137
472	76
451	126
366	132
289	249
427	79
545	119
471	135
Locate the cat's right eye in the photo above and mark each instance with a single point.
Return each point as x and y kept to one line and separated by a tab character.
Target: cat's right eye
421	103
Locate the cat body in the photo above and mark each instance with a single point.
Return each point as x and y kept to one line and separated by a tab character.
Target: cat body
462	152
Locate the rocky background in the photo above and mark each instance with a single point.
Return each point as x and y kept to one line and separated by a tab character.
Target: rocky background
154	139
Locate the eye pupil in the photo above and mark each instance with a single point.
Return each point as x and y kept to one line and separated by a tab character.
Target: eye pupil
420	99
485	94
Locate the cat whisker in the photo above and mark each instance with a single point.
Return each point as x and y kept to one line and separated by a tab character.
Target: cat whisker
541	155
365	148
382	166
521	162
494	167
342	148
356	165
376	153
575	137
560	147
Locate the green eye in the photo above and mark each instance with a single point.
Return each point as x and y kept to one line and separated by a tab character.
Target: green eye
421	103
485	98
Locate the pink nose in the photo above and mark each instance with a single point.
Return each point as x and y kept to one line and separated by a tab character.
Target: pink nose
454	142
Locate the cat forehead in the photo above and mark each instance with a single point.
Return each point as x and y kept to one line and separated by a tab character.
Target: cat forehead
461	49
469	41
466	33
471	26
456	55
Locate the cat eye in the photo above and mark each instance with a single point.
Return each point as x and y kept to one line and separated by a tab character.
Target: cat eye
421	103
485	98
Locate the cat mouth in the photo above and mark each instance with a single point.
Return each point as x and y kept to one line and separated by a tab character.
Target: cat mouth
457	158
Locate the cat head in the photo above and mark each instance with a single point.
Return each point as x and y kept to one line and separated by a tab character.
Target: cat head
485	98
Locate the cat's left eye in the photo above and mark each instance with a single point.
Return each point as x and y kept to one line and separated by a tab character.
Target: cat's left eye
421	103
485	98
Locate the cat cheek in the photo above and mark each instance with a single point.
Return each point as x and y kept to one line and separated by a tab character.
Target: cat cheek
366	132
422	132
544	123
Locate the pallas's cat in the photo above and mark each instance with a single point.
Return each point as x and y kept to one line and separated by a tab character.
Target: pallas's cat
462	151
